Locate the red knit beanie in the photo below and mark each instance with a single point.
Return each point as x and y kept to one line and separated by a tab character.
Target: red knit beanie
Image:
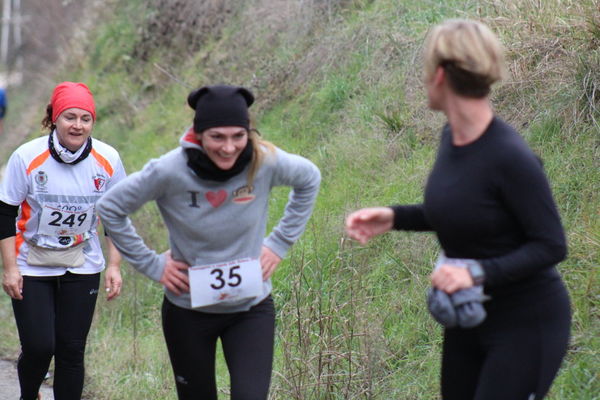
71	95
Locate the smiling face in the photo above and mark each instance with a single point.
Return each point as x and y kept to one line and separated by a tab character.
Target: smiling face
224	144
74	127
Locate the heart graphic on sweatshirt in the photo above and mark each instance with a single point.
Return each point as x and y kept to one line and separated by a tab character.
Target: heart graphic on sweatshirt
216	198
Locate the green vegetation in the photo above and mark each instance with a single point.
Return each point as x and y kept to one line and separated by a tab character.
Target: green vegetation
338	81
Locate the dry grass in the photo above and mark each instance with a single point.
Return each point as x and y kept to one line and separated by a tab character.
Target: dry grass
544	54
181	27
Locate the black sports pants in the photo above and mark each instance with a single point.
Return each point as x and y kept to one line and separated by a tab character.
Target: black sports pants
54	319
515	354
247	341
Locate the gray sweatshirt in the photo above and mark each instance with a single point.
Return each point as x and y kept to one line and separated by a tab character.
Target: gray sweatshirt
210	222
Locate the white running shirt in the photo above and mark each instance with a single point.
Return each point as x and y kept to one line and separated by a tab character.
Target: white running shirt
57	202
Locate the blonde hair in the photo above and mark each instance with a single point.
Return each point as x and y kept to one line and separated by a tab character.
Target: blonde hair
471	54
260	148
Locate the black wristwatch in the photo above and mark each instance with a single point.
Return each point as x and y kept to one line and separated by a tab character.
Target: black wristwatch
476	271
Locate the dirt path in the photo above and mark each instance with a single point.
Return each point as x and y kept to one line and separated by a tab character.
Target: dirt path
9	384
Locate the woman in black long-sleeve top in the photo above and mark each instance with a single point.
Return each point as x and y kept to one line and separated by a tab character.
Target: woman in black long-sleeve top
489	201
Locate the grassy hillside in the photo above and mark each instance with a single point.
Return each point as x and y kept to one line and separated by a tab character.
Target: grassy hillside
338	81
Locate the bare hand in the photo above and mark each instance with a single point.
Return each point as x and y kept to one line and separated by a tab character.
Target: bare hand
450	279
268	262
363	224
173	277
112	282
12	283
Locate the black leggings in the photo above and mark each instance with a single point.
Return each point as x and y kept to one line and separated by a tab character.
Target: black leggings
515	354
54	319
247	340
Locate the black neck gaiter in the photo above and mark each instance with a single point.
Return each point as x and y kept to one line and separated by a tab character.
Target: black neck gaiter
204	168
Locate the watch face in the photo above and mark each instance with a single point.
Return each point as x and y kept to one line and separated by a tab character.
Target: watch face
476	272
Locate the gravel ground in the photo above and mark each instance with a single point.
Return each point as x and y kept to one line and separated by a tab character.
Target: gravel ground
9	383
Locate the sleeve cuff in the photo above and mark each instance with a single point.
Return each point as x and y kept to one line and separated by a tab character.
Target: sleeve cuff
278	247
157	271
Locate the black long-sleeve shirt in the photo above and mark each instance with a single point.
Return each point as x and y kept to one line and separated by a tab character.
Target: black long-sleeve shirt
490	200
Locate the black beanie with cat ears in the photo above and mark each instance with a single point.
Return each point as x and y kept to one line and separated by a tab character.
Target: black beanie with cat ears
220	105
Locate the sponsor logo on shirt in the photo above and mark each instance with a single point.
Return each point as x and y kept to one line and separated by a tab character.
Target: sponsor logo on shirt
99	181
64	240
41	180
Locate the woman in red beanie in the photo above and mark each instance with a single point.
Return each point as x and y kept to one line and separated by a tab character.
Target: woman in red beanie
52	256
